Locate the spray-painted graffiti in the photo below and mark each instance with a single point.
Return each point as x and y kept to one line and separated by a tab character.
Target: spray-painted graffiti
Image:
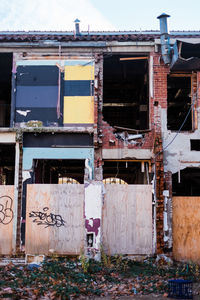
6	212
46	218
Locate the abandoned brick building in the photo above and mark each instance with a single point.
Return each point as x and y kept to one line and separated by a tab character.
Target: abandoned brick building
100	142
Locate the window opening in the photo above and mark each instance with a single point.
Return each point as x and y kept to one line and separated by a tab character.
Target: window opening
7	164
195	145
125	91
59	171
186	182
179	102
5	88
125	172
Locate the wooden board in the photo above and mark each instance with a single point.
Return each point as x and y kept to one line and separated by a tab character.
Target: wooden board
6	218
186	228
127	219
54	219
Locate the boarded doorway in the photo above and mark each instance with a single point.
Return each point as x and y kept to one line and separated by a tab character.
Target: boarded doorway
54	219
186	228
127	219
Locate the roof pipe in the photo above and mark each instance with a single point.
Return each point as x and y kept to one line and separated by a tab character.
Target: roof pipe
164	38
77	27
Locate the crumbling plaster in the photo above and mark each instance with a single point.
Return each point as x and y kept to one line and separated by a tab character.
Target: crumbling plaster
178	155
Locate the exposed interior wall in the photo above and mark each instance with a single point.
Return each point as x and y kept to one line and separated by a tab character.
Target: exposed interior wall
125	91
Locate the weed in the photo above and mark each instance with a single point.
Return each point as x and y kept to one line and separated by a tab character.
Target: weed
84	262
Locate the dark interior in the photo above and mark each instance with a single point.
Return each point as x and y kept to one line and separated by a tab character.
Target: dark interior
50	170
189	182
179	103
5	88
189	50
125	91
7	164
128	171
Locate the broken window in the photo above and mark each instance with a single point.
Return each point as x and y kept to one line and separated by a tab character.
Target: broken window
122	172
186	182
5	88
7	164
125	91
179	112
195	145
56	170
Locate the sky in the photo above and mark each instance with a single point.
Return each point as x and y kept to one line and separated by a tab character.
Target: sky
107	15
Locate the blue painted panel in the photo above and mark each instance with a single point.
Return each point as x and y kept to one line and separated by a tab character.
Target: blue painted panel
47	115
54	62
56	153
78	88
37	75
36	96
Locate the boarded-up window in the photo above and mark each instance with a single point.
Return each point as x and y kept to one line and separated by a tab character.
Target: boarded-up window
37	94
79	93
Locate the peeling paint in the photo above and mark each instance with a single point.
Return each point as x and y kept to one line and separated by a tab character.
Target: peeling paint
23	112
26	175
93	225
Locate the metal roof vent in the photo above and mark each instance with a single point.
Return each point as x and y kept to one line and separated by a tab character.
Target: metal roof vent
164	38
77	28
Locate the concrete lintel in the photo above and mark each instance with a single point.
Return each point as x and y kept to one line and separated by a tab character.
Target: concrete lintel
131	49
7	137
124	44
123	153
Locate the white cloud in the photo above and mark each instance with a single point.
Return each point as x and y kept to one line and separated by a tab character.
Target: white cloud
50	15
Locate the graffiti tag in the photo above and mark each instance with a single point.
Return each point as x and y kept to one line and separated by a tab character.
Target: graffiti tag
46	218
6	212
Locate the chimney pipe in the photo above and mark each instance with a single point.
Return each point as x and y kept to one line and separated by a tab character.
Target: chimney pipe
164	38
77	29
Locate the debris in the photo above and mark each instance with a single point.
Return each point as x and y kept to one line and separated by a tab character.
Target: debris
63	278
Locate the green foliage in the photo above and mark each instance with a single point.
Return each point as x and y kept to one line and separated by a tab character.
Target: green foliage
62	278
84	262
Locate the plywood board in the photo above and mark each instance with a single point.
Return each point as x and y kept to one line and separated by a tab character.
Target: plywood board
186	228
54	219
6	218
127	219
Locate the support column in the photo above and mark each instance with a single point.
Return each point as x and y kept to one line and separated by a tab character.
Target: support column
16	185
93	219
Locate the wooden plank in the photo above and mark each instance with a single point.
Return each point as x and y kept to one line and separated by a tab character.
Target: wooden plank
54	219
186	228
133	58
37	235
67	201
6	218
127	219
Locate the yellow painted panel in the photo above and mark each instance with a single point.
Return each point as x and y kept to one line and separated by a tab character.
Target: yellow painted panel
79	72
79	110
